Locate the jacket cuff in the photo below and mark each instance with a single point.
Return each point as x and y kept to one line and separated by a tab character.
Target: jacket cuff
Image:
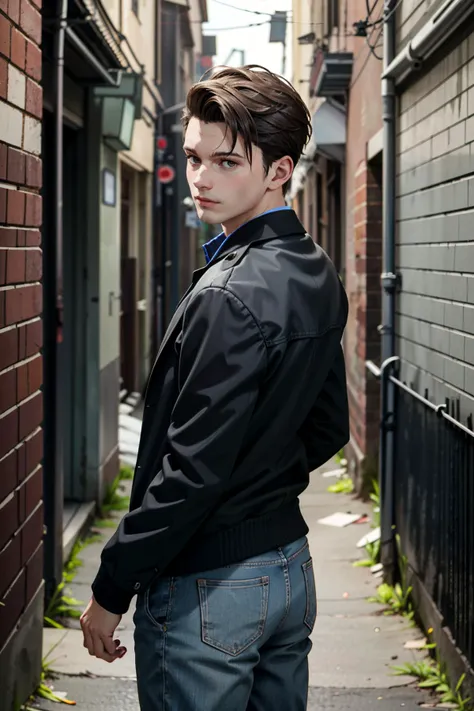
108	595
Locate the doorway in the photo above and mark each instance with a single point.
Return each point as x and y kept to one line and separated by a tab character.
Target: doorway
64	343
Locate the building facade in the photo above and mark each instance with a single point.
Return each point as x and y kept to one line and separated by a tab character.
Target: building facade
83	85
405	82
434	317
21	333
337	189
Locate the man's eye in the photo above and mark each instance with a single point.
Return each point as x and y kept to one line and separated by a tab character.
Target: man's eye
229	163
193	160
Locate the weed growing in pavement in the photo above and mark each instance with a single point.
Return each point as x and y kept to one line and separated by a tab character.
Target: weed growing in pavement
113	500
373	555
43	691
126	471
105	523
372	548
397	598
432	675
375	498
344	485
61	604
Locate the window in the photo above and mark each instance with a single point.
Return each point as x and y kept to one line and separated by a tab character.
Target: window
135	4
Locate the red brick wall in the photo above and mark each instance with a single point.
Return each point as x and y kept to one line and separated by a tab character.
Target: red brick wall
363	243
21	406
364	247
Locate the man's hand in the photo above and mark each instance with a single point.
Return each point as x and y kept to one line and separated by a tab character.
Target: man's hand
98	626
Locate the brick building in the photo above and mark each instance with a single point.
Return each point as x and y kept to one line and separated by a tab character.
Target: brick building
434	322
337	189
80	102
21	400
410	268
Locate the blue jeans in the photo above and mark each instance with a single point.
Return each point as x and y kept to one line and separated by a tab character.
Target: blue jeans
232	639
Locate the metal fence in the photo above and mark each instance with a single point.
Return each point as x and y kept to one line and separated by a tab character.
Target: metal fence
434	505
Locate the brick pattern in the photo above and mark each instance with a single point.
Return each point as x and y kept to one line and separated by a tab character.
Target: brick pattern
412	15
365	303
435	214
21	365
363	248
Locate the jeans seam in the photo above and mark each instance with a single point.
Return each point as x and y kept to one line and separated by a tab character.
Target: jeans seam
257	564
165	677
172	588
148	611
263	563
309	618
298	552
286	575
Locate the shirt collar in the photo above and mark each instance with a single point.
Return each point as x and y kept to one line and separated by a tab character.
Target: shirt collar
216	244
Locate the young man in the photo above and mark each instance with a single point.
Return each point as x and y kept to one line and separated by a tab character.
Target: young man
246	397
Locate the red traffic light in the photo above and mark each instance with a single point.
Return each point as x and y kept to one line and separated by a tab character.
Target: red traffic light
161	143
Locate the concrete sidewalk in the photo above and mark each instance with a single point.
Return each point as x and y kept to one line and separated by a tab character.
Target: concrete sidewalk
354	645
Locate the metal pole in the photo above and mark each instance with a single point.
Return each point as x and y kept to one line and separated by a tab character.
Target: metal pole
389	281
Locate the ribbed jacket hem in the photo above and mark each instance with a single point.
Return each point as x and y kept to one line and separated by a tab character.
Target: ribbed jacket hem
250	538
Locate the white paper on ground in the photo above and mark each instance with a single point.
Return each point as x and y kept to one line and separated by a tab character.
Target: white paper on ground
369	537
339	519
377	568
334	472
415	644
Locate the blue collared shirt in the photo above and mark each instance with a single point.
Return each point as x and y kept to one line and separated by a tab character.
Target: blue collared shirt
214	246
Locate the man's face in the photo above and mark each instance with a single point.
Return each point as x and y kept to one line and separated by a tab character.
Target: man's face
226	189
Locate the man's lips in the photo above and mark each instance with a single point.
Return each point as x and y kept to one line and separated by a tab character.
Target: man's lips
205	201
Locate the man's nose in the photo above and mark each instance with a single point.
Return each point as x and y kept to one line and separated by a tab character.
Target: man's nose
202	179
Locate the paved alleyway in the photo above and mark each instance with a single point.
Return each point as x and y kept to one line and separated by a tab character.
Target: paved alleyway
353	649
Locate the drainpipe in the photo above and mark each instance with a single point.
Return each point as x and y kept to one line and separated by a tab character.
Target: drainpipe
442	25
389	283
444	22
53	316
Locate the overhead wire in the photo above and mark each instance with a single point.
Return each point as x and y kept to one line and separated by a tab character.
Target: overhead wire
371	9
237	27
242	9
385	15
371	48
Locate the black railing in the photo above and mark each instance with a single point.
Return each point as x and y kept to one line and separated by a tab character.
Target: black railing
434	505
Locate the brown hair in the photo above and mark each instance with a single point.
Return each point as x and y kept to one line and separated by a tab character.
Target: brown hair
260	106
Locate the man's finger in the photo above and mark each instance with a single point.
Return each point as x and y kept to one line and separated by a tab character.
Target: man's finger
110	645
88	643
99	649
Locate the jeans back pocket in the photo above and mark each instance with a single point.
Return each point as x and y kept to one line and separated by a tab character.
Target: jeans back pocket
311	602
233	612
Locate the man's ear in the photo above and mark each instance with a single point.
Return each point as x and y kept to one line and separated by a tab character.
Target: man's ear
280	172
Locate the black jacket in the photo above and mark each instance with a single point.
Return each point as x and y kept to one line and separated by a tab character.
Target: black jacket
246	397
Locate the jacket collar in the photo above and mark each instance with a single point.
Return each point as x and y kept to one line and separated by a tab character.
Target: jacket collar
269	225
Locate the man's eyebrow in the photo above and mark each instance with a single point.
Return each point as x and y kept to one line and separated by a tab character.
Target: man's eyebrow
219	154
216	154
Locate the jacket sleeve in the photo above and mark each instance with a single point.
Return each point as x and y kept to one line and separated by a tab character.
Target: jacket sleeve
221	363
326	429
